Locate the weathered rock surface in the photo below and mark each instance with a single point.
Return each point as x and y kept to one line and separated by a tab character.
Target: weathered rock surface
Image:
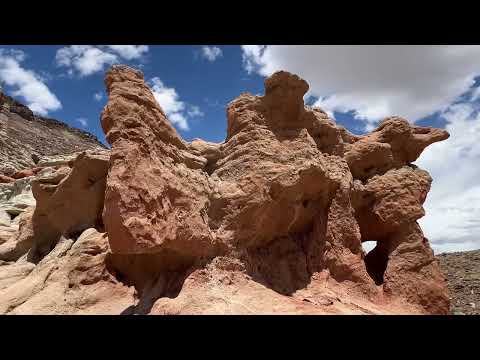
54	263
289	194
71	279
16	196
155	192
271	221
5	219
26	138
68	201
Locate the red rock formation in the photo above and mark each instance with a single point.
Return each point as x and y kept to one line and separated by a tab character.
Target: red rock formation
270	221
288	199
156	192
6	179
23	173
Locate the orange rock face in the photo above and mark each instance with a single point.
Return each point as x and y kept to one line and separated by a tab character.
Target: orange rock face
23	173
6	179
274	217
271	221
156	191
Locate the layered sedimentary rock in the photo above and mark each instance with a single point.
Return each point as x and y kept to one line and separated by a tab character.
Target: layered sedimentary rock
272	220
54	262
68	201
25	138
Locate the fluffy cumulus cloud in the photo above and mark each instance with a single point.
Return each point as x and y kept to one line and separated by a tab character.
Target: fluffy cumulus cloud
83	122
177	111
211	53
129	52
452	220
87	59
374	81
26	83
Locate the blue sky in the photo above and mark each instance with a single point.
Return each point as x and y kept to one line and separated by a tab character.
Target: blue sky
208	85
205	83
357	85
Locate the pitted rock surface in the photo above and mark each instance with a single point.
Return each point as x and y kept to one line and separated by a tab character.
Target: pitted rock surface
286	180
271	221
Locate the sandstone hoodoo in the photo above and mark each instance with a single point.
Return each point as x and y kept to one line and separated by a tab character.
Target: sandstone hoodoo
271	221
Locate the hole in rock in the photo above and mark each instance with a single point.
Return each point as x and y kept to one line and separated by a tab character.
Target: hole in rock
376	260
368	246
35	158
13	215
210	167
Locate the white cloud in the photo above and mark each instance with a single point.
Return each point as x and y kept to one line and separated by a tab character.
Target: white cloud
374	81
194	111
166	97
18	55
85	59
179	120
26	83
177	111
475	94
452	221
211	53
252	58
89	59
98	96
82	121
129	52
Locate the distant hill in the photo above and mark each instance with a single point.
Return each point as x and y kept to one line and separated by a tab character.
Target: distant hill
26	137
462	271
